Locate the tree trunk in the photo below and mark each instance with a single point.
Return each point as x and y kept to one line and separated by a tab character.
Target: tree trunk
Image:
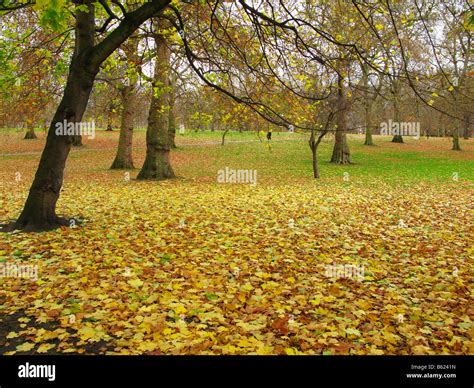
77	141
30	134
397	138
157	162
367	107
39	212
456	145
223	137
467	126
341	153
124	158
368	125
172	118
368	137
314	151
109	116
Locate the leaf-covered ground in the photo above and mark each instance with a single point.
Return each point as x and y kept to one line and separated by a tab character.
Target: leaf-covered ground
191	266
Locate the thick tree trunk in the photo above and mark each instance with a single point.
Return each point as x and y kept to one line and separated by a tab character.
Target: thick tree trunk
124	157
30	134
157	162
341	153
39	212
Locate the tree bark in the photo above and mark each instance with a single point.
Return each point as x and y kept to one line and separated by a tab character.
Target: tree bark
77	141
467	126
397	139
157	164
396	110
314	152
456	145
223	137
368	125
172	117
367	107
124	157
30	134
341	153
39	212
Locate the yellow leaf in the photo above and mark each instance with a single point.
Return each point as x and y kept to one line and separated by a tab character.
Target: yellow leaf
43	348
86	333
25	347
135	283
147	346
180	310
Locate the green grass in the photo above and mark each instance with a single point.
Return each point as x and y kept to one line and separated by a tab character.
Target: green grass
292	159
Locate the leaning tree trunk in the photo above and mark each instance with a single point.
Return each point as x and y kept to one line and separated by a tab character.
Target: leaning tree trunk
39	212
341	153
124	157
30	134
157	162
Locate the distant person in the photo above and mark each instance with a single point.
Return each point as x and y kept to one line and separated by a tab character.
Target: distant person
269	135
